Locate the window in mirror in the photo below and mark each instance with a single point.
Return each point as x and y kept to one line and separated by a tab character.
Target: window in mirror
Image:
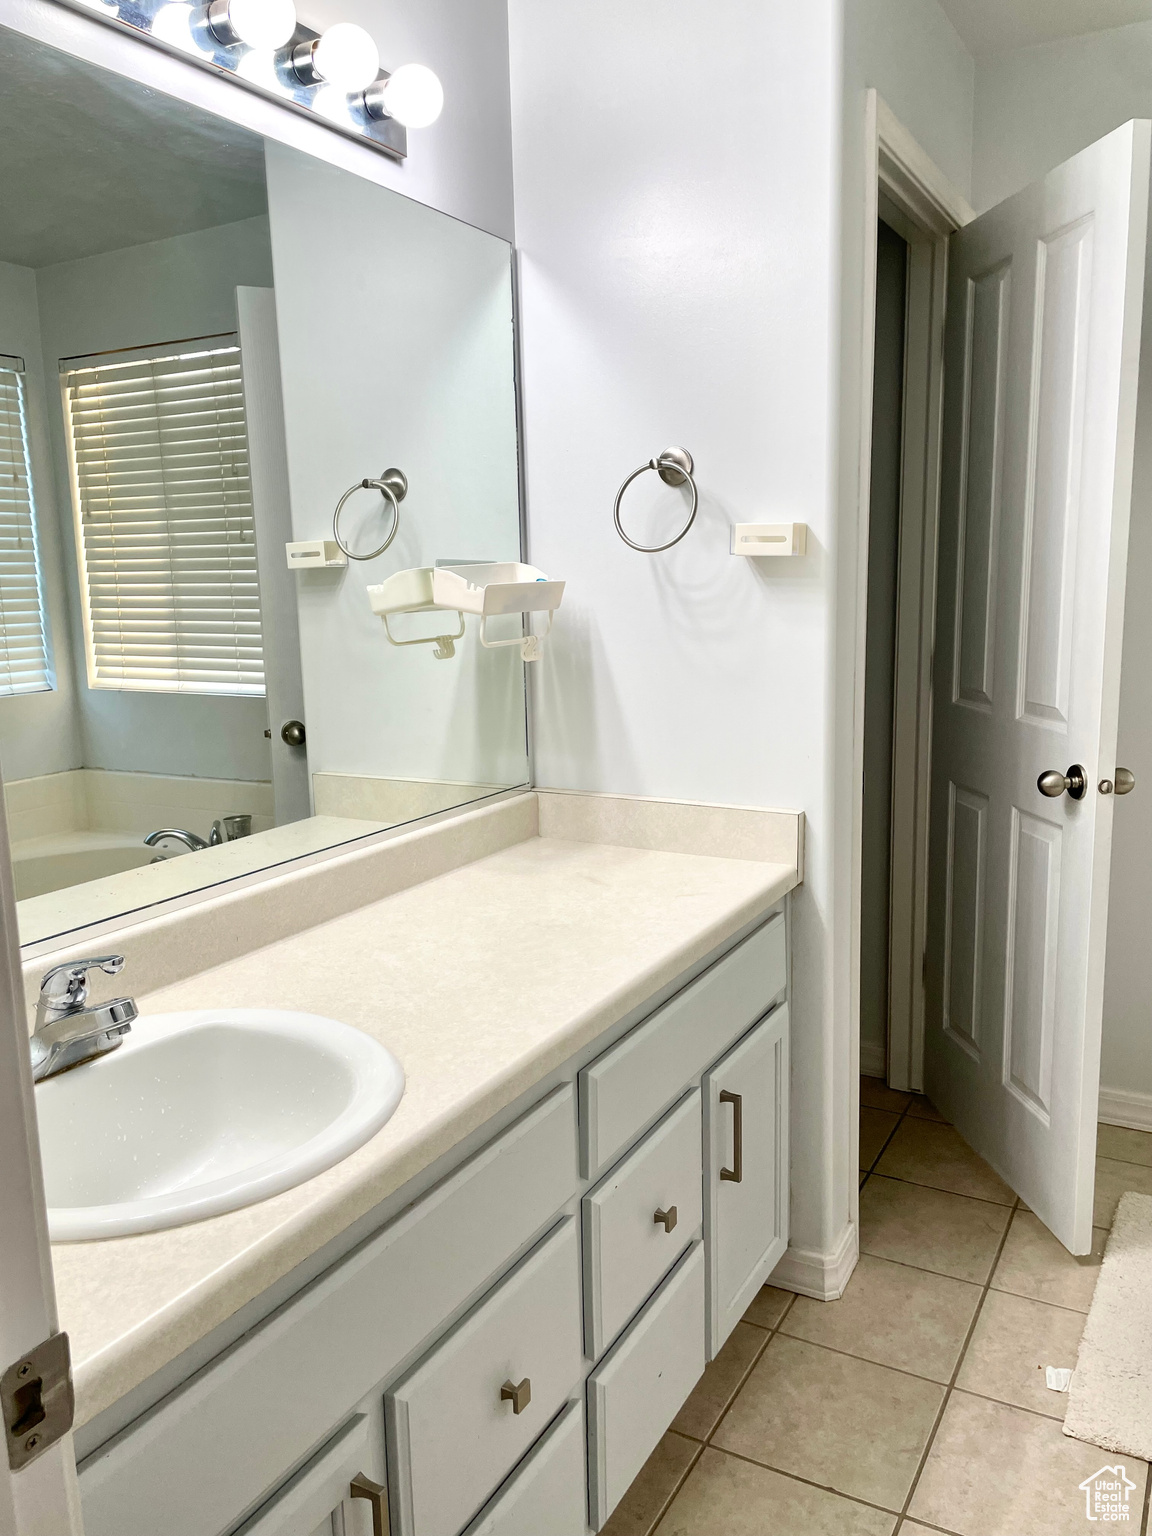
158	452
23	643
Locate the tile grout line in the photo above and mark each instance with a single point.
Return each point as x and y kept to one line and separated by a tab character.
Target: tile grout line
932	1381
951	1386
887	1140
706	1443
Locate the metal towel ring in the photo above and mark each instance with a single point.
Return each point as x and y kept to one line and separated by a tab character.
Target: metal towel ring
674	466
393	484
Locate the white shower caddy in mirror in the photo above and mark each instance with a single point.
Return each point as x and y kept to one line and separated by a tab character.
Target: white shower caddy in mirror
487	590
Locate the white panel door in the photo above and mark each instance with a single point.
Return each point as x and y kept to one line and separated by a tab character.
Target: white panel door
1043	333
272	513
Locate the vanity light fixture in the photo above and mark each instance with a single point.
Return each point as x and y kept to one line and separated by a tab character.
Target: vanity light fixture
343	55
334	75
264	25
412	95
172	24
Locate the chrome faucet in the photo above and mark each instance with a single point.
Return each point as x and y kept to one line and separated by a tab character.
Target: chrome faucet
189	839
68	1031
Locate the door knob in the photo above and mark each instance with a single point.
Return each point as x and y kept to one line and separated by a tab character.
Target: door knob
1125	781
1054	783
518	1393
292	733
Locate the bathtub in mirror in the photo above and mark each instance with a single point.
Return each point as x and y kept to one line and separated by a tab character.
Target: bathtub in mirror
205	341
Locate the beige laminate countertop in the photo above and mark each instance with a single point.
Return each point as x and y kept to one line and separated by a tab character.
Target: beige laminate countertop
482	981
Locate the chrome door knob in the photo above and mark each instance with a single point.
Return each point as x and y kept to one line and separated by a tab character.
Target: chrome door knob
1054	783
1125	781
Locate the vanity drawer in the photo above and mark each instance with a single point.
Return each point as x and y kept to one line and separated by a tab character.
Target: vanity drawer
642	1384
453	1433
274	1396
626	1251
547	1492
626	1088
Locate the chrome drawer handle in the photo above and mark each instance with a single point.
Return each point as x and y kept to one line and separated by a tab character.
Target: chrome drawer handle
666	1219
736	1172
519	1394
362	1487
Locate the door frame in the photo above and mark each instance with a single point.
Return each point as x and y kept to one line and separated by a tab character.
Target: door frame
905	188
42	1499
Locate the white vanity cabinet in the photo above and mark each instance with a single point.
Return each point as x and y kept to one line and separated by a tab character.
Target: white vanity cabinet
505	1354
746	1188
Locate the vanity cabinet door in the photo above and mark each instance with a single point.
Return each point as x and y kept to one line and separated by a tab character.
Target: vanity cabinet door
746	1178
642	1382
312	1501
463	1418
547	1492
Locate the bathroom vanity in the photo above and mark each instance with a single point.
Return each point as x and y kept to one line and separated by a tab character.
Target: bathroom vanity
498	1343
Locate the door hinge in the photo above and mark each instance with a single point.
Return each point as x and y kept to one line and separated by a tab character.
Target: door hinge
37	1400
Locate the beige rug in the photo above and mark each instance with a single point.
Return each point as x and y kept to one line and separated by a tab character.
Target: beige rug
1110	1397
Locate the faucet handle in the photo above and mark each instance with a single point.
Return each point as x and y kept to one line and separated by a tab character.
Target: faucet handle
67	985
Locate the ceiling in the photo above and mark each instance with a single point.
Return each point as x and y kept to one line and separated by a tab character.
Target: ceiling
91	162
990	26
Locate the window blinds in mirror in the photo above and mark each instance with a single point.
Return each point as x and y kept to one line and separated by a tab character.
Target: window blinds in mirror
159	460
23	649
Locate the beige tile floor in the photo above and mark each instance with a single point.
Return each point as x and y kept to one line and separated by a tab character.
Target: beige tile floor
916	1403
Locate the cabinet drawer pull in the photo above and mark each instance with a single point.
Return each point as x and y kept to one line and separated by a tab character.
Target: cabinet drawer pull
736	1172
666	1219
519	1394
362	1487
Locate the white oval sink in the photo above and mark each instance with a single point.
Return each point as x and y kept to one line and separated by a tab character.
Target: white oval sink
199	1113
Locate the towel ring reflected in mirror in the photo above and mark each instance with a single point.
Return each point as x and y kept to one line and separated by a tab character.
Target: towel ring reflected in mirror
674	466
393	485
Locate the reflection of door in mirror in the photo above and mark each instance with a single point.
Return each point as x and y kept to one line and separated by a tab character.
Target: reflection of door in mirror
202	347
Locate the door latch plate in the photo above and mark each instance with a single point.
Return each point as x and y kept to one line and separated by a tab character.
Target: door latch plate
37	1400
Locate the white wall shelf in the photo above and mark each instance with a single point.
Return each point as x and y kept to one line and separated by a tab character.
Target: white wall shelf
487	590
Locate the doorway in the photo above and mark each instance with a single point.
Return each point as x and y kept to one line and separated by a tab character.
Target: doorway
912	212
880	646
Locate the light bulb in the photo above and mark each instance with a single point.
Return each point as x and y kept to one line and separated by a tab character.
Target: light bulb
332	103
260	69
346	57
172	24
263	24
413	96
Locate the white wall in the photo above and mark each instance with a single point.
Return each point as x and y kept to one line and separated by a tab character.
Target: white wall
1034	108
39	732
676	218
406	358
909	51
166	290
1037	106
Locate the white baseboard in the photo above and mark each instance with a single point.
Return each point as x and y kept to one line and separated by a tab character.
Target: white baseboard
1120	1106
822	1275
873	1059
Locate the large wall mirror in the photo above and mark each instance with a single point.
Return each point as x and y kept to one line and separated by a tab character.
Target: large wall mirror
206	339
